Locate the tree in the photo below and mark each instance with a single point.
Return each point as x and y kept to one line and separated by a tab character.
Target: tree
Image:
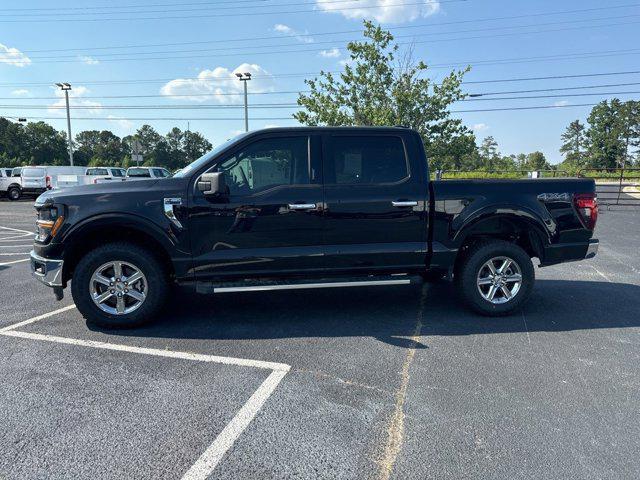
606	144
378	89
630	129
537	161
574	146
489	153
12	142
45	145
195	145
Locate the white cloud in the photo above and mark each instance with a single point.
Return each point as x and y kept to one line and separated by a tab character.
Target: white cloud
13	56
220	84
76	100
383	11
121	122
270	125
561	103
331	53
480	127
345	61
88	60
21	92
300	35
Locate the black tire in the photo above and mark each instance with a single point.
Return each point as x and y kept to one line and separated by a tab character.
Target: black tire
470	268
148	264
14	194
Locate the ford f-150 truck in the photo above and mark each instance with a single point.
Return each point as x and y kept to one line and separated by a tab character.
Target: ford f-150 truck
306	208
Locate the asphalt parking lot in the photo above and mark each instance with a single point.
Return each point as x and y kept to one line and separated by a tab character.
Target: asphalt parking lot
382	382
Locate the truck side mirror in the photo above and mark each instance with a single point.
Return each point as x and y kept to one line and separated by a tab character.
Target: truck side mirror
211	184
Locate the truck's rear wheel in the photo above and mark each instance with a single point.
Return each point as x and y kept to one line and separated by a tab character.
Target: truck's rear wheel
495	277
119	285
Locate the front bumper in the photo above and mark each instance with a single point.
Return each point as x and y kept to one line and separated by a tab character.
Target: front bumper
47	270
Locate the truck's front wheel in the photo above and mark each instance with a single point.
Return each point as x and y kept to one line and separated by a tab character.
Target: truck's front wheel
119	285
495	277
14	193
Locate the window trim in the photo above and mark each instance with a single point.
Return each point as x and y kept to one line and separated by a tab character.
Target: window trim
329	151
232	152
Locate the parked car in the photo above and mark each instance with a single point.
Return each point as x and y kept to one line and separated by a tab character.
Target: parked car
144	173
10	186
104	174
307	208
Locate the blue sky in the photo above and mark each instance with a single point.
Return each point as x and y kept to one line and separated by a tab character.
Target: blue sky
42	43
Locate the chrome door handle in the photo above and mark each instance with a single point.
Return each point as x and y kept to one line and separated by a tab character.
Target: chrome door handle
302	206
405	204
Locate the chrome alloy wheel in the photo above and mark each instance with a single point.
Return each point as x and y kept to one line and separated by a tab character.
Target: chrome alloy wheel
118	287
499	280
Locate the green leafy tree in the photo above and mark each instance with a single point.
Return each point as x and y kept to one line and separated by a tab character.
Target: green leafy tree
606	144
379	88
195	145
574	142
44	145
12	142
537	161
489	154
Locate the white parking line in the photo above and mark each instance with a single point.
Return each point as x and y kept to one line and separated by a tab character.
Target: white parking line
207	462
14	261
16	230
14	254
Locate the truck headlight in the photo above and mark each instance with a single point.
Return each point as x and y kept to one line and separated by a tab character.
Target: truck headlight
49	220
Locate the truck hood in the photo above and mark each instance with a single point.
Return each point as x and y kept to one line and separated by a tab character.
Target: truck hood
113	188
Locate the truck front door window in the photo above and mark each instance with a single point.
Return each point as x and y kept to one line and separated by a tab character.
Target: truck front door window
266	164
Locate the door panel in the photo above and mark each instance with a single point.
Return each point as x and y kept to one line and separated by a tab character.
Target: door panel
271	221
375	204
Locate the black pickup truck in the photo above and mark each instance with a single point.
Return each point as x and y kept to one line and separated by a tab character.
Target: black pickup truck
306	208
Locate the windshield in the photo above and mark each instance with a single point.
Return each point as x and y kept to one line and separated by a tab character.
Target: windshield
33	172
196	164
16	172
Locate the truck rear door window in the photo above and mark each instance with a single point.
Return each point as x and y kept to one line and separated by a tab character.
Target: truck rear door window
117	172
366	160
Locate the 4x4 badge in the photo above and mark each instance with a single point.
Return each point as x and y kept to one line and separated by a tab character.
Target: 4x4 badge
554	197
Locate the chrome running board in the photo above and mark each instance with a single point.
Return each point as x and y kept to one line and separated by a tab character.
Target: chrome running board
298	286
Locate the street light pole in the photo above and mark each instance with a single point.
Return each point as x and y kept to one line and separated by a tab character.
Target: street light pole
245	77
65	87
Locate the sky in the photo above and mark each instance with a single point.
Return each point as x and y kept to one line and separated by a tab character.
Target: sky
172	63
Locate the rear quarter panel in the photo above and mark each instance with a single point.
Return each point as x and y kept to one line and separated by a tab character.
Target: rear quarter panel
545	204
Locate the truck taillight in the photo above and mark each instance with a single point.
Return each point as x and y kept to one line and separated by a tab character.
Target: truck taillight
587	207
48	182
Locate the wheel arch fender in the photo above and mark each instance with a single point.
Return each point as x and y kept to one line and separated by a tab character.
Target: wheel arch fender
98	229
498	220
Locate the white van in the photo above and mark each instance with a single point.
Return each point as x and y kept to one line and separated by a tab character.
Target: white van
9	185
145	173
38	179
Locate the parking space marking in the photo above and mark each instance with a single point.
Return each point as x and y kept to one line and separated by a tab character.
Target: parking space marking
207	462
16	230
2	264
